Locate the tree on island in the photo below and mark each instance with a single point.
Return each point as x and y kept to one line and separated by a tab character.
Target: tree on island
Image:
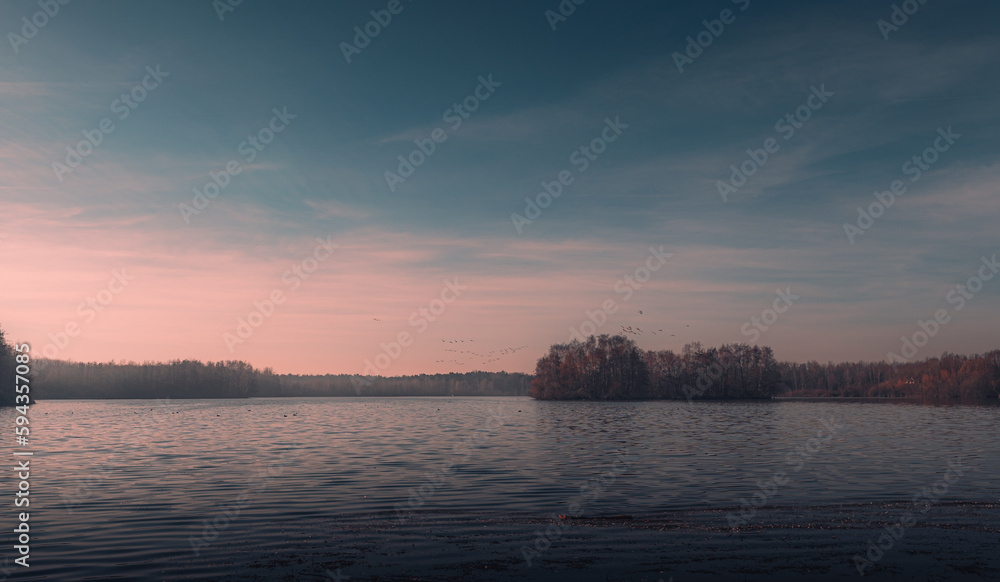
602	368
8	367
614	368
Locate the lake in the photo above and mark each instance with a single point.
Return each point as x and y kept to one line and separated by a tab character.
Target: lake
296	488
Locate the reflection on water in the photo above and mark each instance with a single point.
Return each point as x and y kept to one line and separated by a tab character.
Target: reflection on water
139	489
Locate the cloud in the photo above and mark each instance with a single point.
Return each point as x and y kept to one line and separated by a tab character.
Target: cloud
333	209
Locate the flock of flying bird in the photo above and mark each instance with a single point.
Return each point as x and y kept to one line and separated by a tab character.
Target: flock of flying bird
495	355
629	330
489	357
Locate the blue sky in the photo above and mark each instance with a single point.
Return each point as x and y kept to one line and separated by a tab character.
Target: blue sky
656	184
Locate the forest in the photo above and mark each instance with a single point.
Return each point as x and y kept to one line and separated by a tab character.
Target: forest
599	368
614	368
177	379
453	384
948	377
56	379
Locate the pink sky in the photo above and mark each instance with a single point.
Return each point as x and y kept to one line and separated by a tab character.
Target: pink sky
180	303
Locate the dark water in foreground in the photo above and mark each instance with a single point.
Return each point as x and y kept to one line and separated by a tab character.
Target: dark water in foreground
137	490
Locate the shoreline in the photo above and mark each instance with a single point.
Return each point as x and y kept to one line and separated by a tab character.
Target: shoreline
867	399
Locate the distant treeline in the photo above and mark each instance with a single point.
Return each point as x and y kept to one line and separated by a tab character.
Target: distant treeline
56	379
601	368
177	379
454	384
949	377
613	368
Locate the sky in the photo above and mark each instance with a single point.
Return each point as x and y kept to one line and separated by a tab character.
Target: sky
266	182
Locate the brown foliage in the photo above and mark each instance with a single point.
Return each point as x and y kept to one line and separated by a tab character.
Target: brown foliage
613	368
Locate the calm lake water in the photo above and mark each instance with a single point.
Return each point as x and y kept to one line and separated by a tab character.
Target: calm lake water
126	489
